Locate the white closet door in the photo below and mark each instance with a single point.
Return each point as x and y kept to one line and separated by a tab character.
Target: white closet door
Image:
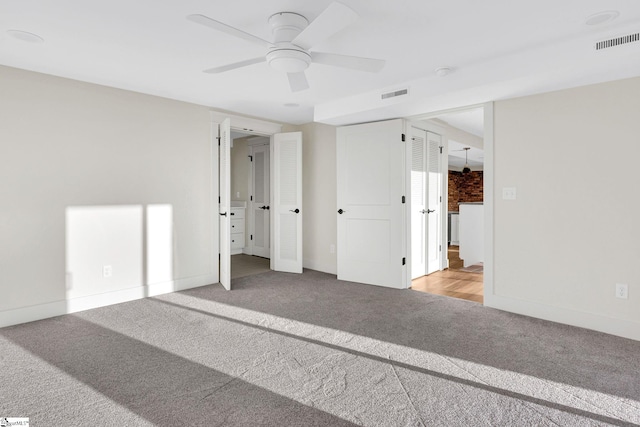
418	203
371	213
434	199
261	203
225	203
287	202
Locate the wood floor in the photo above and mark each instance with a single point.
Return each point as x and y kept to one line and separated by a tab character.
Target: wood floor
452	282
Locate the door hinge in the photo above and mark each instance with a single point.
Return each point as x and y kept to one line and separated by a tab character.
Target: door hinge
218	199
251	237
440	199
251	198
404	261
441	149
404	200
403	137
250	158
218	138
440	248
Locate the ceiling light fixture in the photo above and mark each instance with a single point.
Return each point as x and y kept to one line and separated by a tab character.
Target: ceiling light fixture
25	36
443	71
466	168
602	17
290	60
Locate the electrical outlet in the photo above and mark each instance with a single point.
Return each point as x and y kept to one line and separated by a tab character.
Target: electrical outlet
332	248
107	271
622	290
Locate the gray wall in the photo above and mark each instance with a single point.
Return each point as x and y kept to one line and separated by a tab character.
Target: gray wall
572	233
93	176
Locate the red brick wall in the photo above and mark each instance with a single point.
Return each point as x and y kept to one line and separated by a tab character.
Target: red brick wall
464	188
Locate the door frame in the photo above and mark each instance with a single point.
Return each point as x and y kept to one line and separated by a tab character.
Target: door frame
488	283
251	220
244	125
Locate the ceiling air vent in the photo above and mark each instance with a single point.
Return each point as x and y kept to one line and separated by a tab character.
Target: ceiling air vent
396	93
618	41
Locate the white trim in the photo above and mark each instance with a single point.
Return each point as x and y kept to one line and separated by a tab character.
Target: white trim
250	218
488	201
620	327
436	114
246	124
59	308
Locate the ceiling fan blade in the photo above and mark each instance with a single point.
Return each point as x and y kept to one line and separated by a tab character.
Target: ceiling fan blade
333	19
235	65
217	25
298	81
344	61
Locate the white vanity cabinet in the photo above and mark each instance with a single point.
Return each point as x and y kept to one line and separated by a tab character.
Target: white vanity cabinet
237	229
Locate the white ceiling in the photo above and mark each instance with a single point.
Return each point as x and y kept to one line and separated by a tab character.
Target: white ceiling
474	156
496	48
470	121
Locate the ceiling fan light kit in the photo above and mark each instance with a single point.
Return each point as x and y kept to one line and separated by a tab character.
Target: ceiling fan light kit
290	60
293	39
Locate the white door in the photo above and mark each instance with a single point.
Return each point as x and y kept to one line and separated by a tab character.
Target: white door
225	203
261	202
371	204
418	234
434	202
287	202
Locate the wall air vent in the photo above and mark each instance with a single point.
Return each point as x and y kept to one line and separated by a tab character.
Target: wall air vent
618	41
395	93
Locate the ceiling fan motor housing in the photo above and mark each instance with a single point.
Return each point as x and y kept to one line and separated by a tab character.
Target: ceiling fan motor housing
285	26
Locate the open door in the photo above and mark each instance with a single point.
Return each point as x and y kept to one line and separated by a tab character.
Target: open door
371	204
287	202
434	202
419	206
261	201
224	133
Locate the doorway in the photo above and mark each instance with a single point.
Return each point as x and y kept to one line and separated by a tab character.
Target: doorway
461	274
285	191
250	204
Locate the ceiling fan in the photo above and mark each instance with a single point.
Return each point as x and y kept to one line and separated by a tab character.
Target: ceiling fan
293	39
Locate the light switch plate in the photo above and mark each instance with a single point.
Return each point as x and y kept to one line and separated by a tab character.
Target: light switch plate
508	193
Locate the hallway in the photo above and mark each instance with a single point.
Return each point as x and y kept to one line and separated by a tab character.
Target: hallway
456	281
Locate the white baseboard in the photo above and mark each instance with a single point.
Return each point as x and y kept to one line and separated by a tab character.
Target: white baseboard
622	328
325	268
59	308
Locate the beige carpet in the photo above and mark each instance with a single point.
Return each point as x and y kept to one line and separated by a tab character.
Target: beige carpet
246	265
309	350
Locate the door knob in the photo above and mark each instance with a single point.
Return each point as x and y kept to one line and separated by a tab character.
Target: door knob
263	207
223	214
295	211
422	211
340	211
430	210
